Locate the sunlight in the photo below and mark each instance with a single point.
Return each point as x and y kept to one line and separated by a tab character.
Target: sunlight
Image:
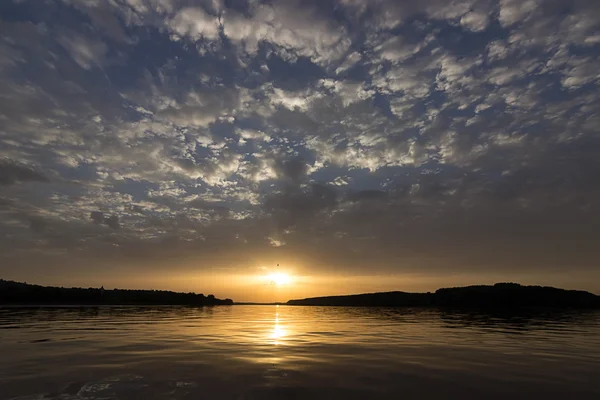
278	278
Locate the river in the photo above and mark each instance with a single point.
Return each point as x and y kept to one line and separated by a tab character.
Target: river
284	352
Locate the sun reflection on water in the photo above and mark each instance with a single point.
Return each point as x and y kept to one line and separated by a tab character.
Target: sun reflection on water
279	332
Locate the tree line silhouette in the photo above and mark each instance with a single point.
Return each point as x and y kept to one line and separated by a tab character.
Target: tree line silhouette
23	293
500	295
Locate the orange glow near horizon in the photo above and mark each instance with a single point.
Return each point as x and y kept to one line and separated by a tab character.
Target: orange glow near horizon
294	280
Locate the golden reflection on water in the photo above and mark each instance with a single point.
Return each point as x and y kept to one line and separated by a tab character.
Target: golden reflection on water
283	352
279	331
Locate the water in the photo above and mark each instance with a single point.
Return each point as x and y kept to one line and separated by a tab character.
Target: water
270	352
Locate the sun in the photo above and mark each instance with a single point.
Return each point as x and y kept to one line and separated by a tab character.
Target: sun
278	278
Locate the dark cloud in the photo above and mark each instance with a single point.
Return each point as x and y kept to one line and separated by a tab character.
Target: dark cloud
300	205
37	225
294	169
367	195
212	208
187	165
112	221
97	217
12	173
137	209
5	203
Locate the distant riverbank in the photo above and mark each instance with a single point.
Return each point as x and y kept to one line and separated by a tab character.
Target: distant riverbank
17	293
500	295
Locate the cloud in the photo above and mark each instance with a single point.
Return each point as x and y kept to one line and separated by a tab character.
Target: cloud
397	49
367	195
12	173
97	217
86	52
289	25
111	221
137	209
294	169
37	225
202	107
253	134
513	11
351	60
497	50
402	136
295	206
475	21
213	208
195	23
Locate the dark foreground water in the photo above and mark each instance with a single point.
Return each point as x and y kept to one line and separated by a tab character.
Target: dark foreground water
269	352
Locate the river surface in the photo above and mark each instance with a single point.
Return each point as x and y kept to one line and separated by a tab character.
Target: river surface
283	352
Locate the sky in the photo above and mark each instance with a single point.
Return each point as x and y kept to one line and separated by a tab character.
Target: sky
361	145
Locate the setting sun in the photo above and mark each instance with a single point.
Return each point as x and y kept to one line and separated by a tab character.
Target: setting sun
279	278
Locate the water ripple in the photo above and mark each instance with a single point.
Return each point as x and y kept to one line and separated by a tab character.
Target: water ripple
265	352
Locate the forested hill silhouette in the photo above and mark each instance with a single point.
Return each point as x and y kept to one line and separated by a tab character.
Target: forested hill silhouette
500	295
23	293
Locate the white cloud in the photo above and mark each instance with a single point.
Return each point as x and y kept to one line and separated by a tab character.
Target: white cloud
276	242
580	72
259	168
292	100
454	73
407	79
195	23
396	49
448	9
592	40
370	151
513	11
497	50
340	181
351	60
203	107
252	134
482	107
289	26
504	75
475	21
349	92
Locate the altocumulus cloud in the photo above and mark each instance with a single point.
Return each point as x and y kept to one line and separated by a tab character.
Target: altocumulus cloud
389	136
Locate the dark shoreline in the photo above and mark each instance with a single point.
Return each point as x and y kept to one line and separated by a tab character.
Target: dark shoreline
82	305
23	294
499	296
